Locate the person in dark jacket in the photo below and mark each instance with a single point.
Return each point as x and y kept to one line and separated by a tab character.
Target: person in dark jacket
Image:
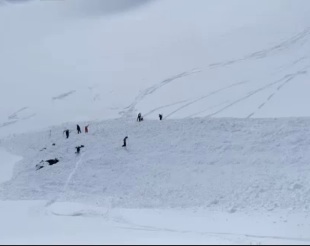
86	129
160	117
78	149
67	132
140	118
125	142
78	129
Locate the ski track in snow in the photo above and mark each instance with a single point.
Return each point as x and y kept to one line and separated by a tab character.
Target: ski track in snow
297	39
286	80
165	106
16	117
205	97
64	95
289	78
300	37
125	224
149	91
209	108
8	123
218	234
291	64
65	188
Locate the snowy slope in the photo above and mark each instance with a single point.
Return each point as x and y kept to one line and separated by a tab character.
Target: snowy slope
190	181
219	164
183	58
32	223
230	161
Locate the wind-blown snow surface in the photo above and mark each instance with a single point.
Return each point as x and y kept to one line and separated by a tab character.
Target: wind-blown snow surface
218	181
182	58
224	164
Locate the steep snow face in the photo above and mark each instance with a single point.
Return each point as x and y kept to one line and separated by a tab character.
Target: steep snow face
219	164
182	58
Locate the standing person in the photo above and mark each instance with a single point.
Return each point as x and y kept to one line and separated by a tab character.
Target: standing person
125	142
86	129
78	129
160	117
67	132
139	117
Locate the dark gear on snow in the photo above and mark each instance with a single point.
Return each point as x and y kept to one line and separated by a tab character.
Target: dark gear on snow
50	162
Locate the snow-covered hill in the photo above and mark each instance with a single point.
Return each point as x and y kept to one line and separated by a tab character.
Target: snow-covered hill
229	162
183	58
218	164
196	180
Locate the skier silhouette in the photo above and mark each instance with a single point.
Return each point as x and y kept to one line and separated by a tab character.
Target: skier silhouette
160	117
125	142
78	129
86	129
78	149
67	132
139	117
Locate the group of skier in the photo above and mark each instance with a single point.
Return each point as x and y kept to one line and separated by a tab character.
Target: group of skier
78	128
78	148
140	118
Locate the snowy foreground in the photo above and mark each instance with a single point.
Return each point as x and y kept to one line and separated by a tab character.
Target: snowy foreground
179	181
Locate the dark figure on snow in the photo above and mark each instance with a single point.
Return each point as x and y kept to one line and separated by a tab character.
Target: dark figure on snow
39	166
51	162
125	142
67	132
78	128
160	117
139	119
78	149
86	129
